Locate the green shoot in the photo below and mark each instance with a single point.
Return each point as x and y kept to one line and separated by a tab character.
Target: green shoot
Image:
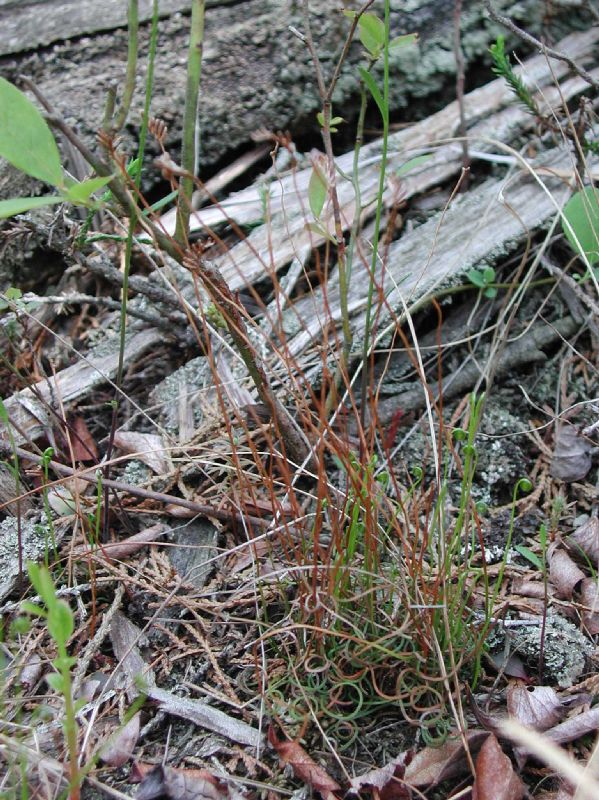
503	68
61	624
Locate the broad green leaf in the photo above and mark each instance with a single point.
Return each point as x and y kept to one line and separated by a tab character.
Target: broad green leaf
60	622
475	276
582	214
19	205
317	191
372	32
403	41
80	193
489	274
528	554
56	681
25	139
319	229
161	203
409	165
373	89
42	582
13	293
32	608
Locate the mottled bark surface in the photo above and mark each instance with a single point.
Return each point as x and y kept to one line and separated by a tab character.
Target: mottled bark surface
256	72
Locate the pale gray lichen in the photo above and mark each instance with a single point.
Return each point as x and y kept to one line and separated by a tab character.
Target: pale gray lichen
565	648
34	540
136	473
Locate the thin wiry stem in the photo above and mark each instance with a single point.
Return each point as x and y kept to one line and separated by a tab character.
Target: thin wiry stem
189	152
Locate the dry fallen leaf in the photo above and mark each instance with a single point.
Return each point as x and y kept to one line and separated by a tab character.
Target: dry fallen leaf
83	444
387	781
575	727
304	767
120	746
495	778
116	551
537	707
146	447
181	784
589	597
564	574
586	538
571	455
432	765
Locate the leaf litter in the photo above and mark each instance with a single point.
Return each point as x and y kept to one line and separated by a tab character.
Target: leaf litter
192	654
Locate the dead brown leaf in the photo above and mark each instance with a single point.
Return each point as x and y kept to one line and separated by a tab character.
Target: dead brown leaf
182	784
537	707
304	767
432	765
528	588
387	781
495	778
116	551
146	447
571	455
564	574
589	597
120	746
83	444
510	665
575	727
586	538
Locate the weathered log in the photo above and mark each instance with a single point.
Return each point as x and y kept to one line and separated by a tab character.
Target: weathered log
474	228
256	72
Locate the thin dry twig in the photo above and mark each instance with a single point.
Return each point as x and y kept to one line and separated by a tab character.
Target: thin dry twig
549	51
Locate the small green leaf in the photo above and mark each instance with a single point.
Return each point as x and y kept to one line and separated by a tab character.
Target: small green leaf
489	274
581	212
319	229
13	293
32	608
490	292
20	626
80	193
64	663
409	165
372	32
42	582
162	202
56	681
19	205
400	42
317	191
25	138
60	622
475	276
320	118
374	90
527	553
